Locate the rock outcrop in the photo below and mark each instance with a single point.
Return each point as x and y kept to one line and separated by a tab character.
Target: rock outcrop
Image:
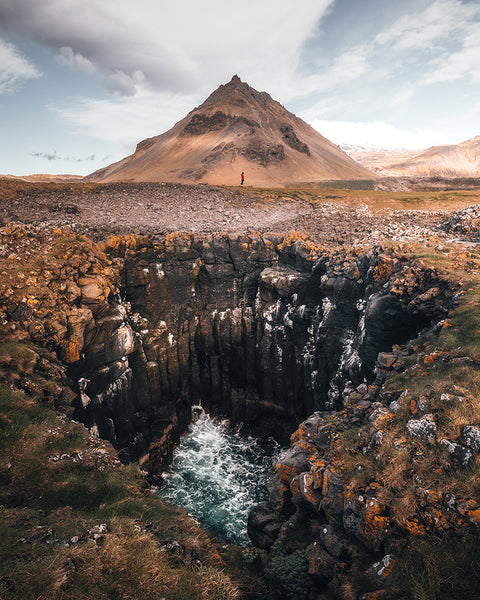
262	329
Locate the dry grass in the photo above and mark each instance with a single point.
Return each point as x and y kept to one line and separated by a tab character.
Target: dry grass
45	504
375	201
450	385
443	568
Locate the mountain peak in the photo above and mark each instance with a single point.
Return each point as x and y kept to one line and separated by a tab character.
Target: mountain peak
237	95
237	129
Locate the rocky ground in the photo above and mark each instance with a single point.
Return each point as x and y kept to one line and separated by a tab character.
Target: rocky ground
156	209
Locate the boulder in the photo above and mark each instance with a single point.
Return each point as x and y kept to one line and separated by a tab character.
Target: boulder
471	437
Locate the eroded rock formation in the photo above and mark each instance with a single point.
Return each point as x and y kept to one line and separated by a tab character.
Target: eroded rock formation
261	329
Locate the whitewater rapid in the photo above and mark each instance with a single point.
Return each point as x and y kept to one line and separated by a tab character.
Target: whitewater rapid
218	476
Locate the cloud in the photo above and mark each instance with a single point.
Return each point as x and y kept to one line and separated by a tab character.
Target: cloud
437	23
121	83
14	68
124	120
378	134
66	56
344	68
463	63
51	156
440	42
179	47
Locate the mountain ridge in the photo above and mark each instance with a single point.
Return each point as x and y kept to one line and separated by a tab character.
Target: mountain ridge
444	160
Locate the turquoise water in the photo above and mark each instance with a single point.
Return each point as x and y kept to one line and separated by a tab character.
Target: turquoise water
218	476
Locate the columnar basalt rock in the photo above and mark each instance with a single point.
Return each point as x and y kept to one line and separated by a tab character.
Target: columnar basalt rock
261	328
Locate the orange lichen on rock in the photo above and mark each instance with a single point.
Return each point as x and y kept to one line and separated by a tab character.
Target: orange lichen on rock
286	472
374	525
432	358
114	245
71	350
436	518
310	488
474	516
294	236
382	270
415	527
320	563
377	595
433	496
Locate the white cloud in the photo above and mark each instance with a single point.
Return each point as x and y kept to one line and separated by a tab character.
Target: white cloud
437	22
378	134
14	68
178	46
66	56
463	63
125	120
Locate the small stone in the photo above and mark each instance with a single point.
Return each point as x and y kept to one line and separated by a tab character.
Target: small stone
424	428
461	455
471	437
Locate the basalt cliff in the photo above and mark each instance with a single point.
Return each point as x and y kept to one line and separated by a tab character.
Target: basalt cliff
359	358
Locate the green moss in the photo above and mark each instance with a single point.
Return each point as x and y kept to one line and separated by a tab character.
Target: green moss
17	357
18	415
290	571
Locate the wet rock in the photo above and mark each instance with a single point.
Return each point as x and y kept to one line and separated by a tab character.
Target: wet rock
263	526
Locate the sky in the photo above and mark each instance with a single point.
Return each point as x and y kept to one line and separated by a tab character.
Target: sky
83	81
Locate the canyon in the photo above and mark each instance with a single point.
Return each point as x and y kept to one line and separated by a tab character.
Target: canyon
304	338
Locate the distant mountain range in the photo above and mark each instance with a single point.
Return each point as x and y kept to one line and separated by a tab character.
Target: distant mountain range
455	160
236	129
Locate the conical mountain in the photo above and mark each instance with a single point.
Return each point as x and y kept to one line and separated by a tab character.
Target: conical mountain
236	129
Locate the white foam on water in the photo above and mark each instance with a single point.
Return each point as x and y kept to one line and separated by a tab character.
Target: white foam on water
218	476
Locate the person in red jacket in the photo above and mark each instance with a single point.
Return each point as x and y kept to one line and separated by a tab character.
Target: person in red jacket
242	178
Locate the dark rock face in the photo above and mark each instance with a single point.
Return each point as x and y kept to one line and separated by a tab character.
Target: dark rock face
290	137
255	328
265	330
263	153
200	124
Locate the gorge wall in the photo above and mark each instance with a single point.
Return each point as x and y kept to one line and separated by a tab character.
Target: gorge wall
261	329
